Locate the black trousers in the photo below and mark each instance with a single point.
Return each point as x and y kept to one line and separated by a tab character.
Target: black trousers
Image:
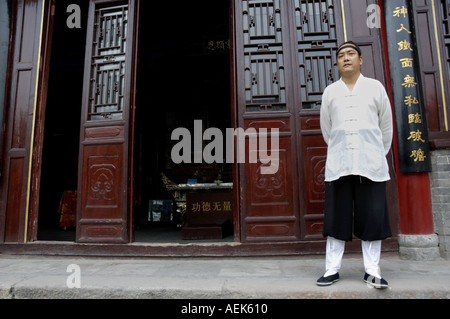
356	205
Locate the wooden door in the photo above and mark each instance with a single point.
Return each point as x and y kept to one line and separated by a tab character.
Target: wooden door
319	31
104	172
269	203
20	113
286	53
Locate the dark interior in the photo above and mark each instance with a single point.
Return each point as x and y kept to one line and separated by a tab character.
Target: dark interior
62	122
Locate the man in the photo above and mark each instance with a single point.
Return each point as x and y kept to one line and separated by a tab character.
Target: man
356	123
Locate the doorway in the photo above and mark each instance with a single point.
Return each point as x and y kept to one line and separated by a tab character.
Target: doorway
184	75
62	125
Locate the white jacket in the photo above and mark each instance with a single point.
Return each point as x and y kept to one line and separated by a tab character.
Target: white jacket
358	129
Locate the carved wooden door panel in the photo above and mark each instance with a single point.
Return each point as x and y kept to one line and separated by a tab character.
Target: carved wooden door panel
319	31
269	203
105	124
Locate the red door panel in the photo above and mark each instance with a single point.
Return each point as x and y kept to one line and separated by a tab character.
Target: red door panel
103	184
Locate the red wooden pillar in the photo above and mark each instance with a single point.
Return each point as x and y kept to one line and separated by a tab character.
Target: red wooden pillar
416	216
417	238
414	189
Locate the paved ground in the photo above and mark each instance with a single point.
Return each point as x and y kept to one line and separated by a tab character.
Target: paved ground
218	278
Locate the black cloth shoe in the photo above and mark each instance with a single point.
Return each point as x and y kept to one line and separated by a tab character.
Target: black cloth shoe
375	282
328	281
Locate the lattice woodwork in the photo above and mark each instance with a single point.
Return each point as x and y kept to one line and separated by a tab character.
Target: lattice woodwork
265	78
264	57
317	47
108	63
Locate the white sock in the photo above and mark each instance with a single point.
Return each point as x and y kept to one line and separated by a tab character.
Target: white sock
371	255
335	252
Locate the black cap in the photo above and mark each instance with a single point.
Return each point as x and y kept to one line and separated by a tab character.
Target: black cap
350	44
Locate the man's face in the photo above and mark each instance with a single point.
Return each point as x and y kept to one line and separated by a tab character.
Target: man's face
349	62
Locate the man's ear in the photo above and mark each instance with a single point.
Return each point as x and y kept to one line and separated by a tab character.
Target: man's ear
361	60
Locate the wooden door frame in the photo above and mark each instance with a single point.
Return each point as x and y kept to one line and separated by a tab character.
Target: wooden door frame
47	36
133	167
36	169
43	77
235	119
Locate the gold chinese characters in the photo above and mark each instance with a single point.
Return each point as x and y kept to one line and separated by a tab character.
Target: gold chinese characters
409	82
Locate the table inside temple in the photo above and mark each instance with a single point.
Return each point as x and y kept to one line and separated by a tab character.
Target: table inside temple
205	209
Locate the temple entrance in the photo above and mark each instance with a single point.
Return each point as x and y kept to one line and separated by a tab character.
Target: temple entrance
183	82
151	68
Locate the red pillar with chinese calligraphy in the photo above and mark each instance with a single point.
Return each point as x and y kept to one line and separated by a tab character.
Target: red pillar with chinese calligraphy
416	217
